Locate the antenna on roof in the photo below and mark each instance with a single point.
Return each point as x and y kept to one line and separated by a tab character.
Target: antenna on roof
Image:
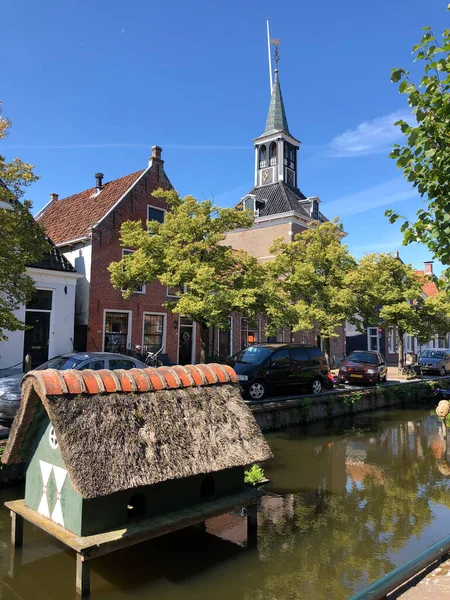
268	52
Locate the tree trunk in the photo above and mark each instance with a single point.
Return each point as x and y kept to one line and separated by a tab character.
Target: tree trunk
204	342
327	348
400	334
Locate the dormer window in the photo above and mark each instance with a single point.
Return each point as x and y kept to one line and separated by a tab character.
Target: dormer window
253	204
262	157
315	210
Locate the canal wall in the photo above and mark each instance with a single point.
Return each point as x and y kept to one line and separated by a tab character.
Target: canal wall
279	414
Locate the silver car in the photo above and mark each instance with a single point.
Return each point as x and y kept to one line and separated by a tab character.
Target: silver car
10	386
435	360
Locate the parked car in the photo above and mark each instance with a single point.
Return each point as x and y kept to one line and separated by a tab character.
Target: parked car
363	366
263	367
435	360
10	386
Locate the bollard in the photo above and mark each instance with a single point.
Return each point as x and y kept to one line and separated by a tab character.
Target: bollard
27	363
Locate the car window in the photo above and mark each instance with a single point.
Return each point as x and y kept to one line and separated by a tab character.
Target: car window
432	354
61	363
96	365
280	358
299	355
121	363
365	357
316	355
253	355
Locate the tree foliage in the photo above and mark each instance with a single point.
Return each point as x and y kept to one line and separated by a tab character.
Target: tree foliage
425	158
187	252
387	292
22	241
308	274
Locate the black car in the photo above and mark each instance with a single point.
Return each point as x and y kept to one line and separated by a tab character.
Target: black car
274	366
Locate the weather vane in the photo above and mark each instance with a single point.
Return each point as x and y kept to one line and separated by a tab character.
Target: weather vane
276	54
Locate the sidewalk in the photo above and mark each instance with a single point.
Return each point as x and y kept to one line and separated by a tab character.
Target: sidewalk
434	586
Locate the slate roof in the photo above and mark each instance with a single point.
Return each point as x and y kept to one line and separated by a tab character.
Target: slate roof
73	217
280	198
54	261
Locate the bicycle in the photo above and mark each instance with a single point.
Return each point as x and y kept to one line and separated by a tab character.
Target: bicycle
409	372
152	358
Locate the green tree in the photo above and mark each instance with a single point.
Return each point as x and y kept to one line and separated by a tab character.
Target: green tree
388	292
425	158
187	252
22	241
307	276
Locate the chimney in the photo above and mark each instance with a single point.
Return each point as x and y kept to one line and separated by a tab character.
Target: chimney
54	197
428	267
156	152
99	181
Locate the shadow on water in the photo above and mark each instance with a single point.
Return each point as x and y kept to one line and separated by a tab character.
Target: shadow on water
348	501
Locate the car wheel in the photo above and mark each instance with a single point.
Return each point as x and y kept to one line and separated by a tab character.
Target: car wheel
257	390
442	371
316	386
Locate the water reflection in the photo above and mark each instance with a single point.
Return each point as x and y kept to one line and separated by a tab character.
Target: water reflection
347	503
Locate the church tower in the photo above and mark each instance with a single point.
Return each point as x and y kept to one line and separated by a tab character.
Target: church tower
276	149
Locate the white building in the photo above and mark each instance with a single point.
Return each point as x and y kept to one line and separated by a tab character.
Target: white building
50	315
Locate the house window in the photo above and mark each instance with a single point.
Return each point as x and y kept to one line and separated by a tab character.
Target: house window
41	300
391	346
138	288
373	340
155	214
315	210
153	332
250	332
278	338
116	331
225	341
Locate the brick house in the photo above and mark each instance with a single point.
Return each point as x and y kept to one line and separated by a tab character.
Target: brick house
386	341
86	228
281	210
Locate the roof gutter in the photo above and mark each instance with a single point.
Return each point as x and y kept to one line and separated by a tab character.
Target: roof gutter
84	238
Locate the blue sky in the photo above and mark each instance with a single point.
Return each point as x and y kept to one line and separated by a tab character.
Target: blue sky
91	86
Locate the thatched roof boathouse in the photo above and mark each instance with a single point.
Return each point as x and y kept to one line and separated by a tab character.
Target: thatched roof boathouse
107	448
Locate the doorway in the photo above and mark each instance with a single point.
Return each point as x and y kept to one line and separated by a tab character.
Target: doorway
186	342
36	339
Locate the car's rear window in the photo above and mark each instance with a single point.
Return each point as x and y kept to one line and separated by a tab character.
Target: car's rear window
61	363
252	355
363	357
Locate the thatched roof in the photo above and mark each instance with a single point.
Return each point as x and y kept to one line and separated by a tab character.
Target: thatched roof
124	429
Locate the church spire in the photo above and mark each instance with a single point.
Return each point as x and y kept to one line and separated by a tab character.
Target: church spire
276	118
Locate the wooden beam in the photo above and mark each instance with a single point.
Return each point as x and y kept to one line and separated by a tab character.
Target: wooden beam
83	577
16	530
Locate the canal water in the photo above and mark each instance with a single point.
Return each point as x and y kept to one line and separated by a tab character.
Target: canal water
347	503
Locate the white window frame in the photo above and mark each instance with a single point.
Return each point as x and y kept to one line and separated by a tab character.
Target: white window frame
163	210
391	344
164	335
372	335
230	349
127	252
130	323
247	330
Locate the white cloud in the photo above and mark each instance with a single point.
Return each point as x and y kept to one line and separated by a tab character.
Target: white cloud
384	194
370	137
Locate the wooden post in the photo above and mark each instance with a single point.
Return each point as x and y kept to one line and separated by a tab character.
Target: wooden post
252	526
83	577
16	530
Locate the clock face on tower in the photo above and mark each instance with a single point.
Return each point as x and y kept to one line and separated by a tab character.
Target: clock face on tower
267	176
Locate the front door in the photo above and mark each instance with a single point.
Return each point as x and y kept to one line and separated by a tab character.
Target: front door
36	339
186	342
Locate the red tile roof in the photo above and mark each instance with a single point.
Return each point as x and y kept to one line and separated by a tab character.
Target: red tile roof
73	217
429	287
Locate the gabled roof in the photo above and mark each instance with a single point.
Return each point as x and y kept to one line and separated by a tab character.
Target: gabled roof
73	217
54	260
119	430
280	198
